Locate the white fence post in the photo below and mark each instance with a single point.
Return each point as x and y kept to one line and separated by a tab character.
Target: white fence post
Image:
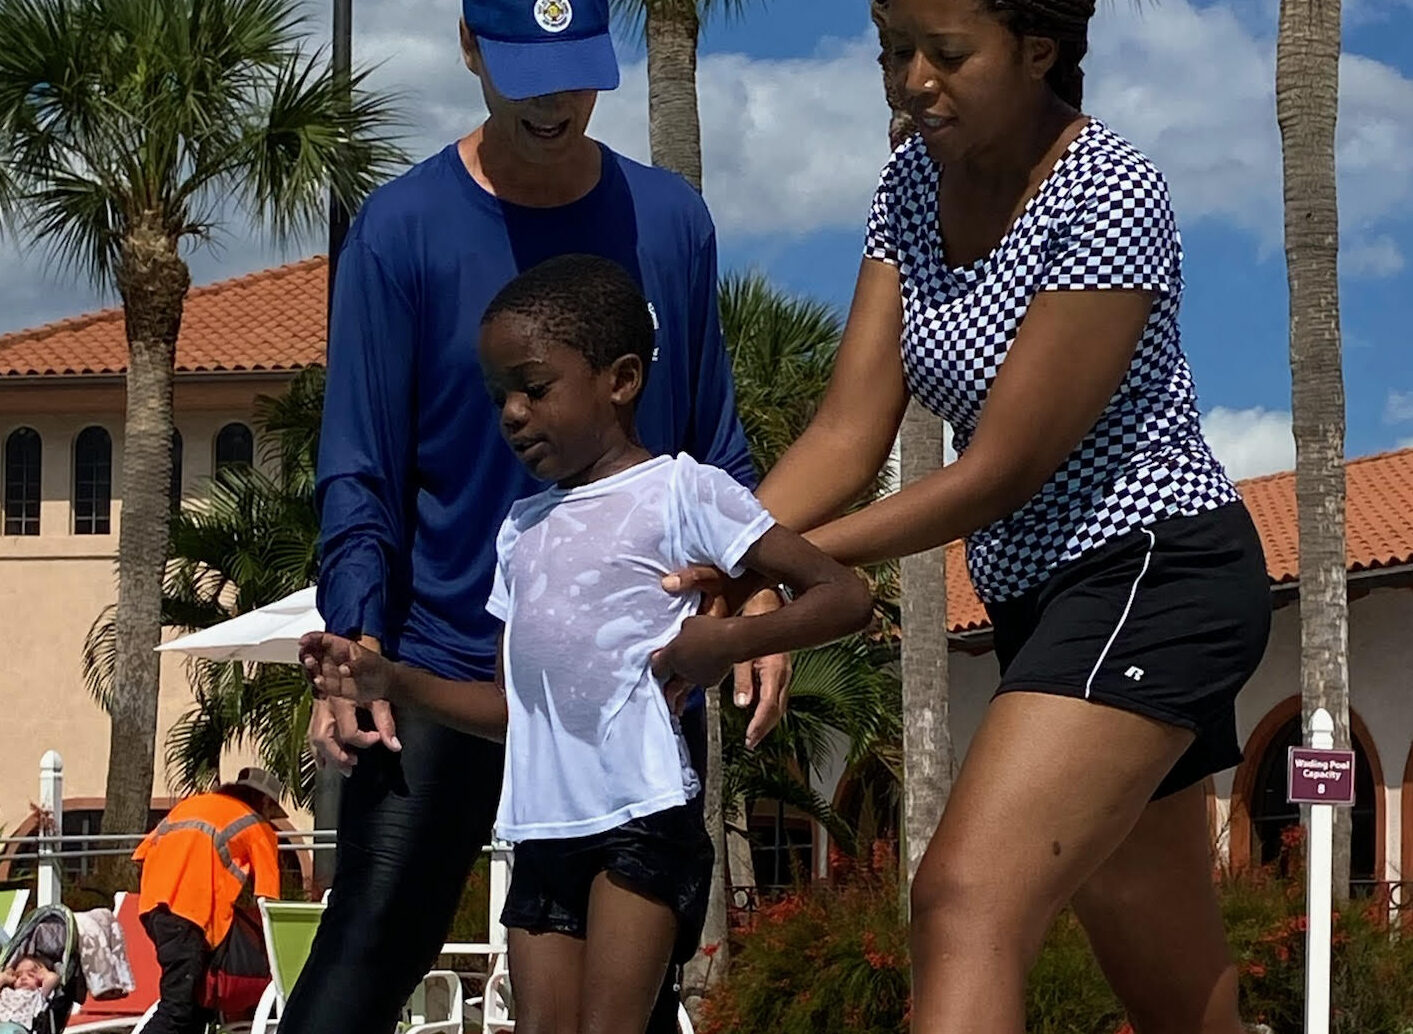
1318	892
51	826
500	886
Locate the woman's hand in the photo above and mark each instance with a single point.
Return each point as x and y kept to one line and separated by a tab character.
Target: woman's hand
341	668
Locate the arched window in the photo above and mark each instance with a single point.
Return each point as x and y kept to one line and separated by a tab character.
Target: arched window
235	446
174	492
23	457
93	482
1271	815
782	845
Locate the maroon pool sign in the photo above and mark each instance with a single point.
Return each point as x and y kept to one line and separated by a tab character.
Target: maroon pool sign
1321	776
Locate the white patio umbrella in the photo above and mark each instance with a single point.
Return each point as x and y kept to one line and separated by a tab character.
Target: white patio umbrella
268	634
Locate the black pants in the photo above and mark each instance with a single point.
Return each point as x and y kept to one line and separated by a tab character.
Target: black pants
183	954
410	827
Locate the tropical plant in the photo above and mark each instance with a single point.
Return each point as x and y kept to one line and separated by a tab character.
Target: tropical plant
1307	101
131	130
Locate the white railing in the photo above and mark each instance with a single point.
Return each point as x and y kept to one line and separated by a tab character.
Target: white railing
52	847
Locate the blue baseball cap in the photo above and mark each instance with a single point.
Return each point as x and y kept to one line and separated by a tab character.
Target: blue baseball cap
535	47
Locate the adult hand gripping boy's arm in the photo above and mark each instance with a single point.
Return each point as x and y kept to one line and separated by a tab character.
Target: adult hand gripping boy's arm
831	601
345	670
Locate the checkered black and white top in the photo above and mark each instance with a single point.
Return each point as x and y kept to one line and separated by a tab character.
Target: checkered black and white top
1102	219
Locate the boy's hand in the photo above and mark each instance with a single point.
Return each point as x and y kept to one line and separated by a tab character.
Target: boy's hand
342	668
701	655
762	685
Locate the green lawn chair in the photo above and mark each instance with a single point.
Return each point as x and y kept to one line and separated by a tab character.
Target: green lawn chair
12	910
289	934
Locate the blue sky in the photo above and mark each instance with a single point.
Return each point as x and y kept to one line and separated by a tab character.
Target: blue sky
794	131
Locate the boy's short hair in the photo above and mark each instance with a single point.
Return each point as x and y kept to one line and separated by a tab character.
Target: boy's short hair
583	302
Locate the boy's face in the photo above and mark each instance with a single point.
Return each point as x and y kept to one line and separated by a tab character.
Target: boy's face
558	414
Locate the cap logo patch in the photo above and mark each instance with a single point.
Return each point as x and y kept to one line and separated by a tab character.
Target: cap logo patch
554	15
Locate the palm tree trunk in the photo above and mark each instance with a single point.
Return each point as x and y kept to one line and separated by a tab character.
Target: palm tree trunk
741	867
675	137
927	736
153	281
674	128
706	967
1307	94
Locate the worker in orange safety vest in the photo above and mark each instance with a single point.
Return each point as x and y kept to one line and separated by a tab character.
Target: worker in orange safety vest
195	865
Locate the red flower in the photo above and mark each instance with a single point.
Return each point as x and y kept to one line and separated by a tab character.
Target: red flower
710	950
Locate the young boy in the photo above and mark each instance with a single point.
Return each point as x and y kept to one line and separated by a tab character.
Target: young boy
612	865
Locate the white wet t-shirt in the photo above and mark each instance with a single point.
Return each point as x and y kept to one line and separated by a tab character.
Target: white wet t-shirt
591	744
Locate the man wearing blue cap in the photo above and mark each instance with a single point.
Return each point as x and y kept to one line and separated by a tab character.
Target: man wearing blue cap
414	479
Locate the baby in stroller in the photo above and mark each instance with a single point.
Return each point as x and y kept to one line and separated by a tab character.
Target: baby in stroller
24	992
40	975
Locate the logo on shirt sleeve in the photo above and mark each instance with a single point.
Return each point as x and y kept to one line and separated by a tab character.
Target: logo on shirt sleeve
652	311
554	15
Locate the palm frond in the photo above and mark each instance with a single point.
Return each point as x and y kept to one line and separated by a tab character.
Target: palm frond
310	140
764	781
100	648
120	113
631	15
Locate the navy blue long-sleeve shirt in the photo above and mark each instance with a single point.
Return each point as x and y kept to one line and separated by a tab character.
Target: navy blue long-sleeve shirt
414	479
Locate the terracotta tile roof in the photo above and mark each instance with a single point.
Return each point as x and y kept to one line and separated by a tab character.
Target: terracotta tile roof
1378	531
270	320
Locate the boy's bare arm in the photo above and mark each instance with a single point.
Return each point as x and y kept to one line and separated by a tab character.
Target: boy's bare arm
340	668
831	601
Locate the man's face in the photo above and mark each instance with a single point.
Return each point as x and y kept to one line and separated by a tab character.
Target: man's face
541	130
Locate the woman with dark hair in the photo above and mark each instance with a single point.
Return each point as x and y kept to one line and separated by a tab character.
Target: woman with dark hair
1027	259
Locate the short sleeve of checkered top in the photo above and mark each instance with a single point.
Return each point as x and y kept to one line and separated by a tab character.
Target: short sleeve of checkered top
1117	231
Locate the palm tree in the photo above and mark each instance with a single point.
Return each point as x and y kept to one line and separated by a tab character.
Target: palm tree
1307	94
250	541
927	736
671	29
129	129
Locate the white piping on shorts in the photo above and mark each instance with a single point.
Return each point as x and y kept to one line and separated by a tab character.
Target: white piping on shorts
1132	592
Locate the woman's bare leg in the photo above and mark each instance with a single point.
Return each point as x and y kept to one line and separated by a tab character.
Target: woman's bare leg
1050	788
1152	915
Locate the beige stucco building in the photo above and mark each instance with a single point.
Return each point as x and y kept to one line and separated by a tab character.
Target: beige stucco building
61	454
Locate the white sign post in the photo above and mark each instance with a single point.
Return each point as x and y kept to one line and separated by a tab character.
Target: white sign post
51	814
1320	877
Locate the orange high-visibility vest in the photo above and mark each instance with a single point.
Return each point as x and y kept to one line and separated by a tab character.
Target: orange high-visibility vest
197	861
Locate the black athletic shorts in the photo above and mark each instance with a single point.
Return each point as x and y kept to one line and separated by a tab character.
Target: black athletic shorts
1168	621
666	856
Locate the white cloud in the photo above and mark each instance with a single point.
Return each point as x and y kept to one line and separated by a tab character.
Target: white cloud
1195	88
1398	407
793	146
1379	257
1250	442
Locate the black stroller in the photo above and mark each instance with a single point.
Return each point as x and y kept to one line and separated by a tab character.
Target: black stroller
51	934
